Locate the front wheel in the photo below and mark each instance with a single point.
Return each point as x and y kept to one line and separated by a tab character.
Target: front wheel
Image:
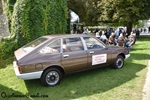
51	77
119	62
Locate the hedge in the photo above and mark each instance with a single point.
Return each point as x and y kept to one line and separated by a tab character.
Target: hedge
31	19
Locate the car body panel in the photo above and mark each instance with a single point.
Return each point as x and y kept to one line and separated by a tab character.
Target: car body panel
75	61
34	62
102	51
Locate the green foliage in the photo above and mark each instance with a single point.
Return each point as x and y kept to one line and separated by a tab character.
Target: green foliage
79	7
139	24
9	6
125	11
93	12
28	22
32	19
119	12
7	47
57	20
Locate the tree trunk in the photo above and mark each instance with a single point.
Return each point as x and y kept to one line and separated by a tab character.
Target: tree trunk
129	28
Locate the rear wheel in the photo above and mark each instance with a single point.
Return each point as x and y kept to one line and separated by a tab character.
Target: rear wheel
119	62
51	77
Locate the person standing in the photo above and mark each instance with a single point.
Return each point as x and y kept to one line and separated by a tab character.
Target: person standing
117	33
137	33
144	30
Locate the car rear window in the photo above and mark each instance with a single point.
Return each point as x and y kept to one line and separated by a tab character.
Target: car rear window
30	46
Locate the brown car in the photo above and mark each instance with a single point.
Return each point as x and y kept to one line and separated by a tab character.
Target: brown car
51	57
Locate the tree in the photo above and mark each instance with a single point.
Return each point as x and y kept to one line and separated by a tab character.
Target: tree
31	19
94	11
88	10
79	7
125	12
118	12
9	7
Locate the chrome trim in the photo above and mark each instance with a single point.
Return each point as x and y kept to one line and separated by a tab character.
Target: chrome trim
127	56
84	44
65	56
91	52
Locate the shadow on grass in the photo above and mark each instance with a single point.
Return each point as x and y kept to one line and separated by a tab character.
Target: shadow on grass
138	49
4	63
87	83
137	56
10	94
143	38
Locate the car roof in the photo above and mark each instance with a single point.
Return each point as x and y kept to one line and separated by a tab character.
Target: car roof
66	35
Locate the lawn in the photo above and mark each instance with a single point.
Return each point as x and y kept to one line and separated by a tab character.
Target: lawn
100	84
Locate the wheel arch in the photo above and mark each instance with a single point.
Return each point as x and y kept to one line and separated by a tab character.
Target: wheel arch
55	66
122	54
117	65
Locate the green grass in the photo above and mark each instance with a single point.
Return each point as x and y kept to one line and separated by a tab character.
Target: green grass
99	84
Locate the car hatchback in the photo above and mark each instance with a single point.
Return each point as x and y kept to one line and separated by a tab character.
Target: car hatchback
48	58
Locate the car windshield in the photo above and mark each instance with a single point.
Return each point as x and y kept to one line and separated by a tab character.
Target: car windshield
30	46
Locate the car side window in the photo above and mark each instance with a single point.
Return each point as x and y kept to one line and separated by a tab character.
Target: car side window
92	43
72	44
52	48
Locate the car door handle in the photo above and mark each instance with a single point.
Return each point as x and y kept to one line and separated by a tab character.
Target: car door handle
91	52
65	56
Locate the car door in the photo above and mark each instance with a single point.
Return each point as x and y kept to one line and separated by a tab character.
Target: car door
74	57
98	54
50	54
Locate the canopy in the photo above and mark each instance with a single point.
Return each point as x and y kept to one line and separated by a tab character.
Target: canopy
73	17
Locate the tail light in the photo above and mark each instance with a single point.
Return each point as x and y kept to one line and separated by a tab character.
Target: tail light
19	69
16	64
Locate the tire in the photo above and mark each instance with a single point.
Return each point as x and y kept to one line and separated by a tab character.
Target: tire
119	62
51	77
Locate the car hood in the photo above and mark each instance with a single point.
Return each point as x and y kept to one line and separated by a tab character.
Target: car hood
119	49
115	47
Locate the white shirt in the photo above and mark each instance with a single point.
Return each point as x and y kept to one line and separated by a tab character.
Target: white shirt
97	34
103	37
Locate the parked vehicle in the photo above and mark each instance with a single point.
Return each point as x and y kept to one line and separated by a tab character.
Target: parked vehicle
48	58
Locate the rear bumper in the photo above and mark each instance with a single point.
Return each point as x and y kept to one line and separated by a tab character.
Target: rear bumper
127	56
26	76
